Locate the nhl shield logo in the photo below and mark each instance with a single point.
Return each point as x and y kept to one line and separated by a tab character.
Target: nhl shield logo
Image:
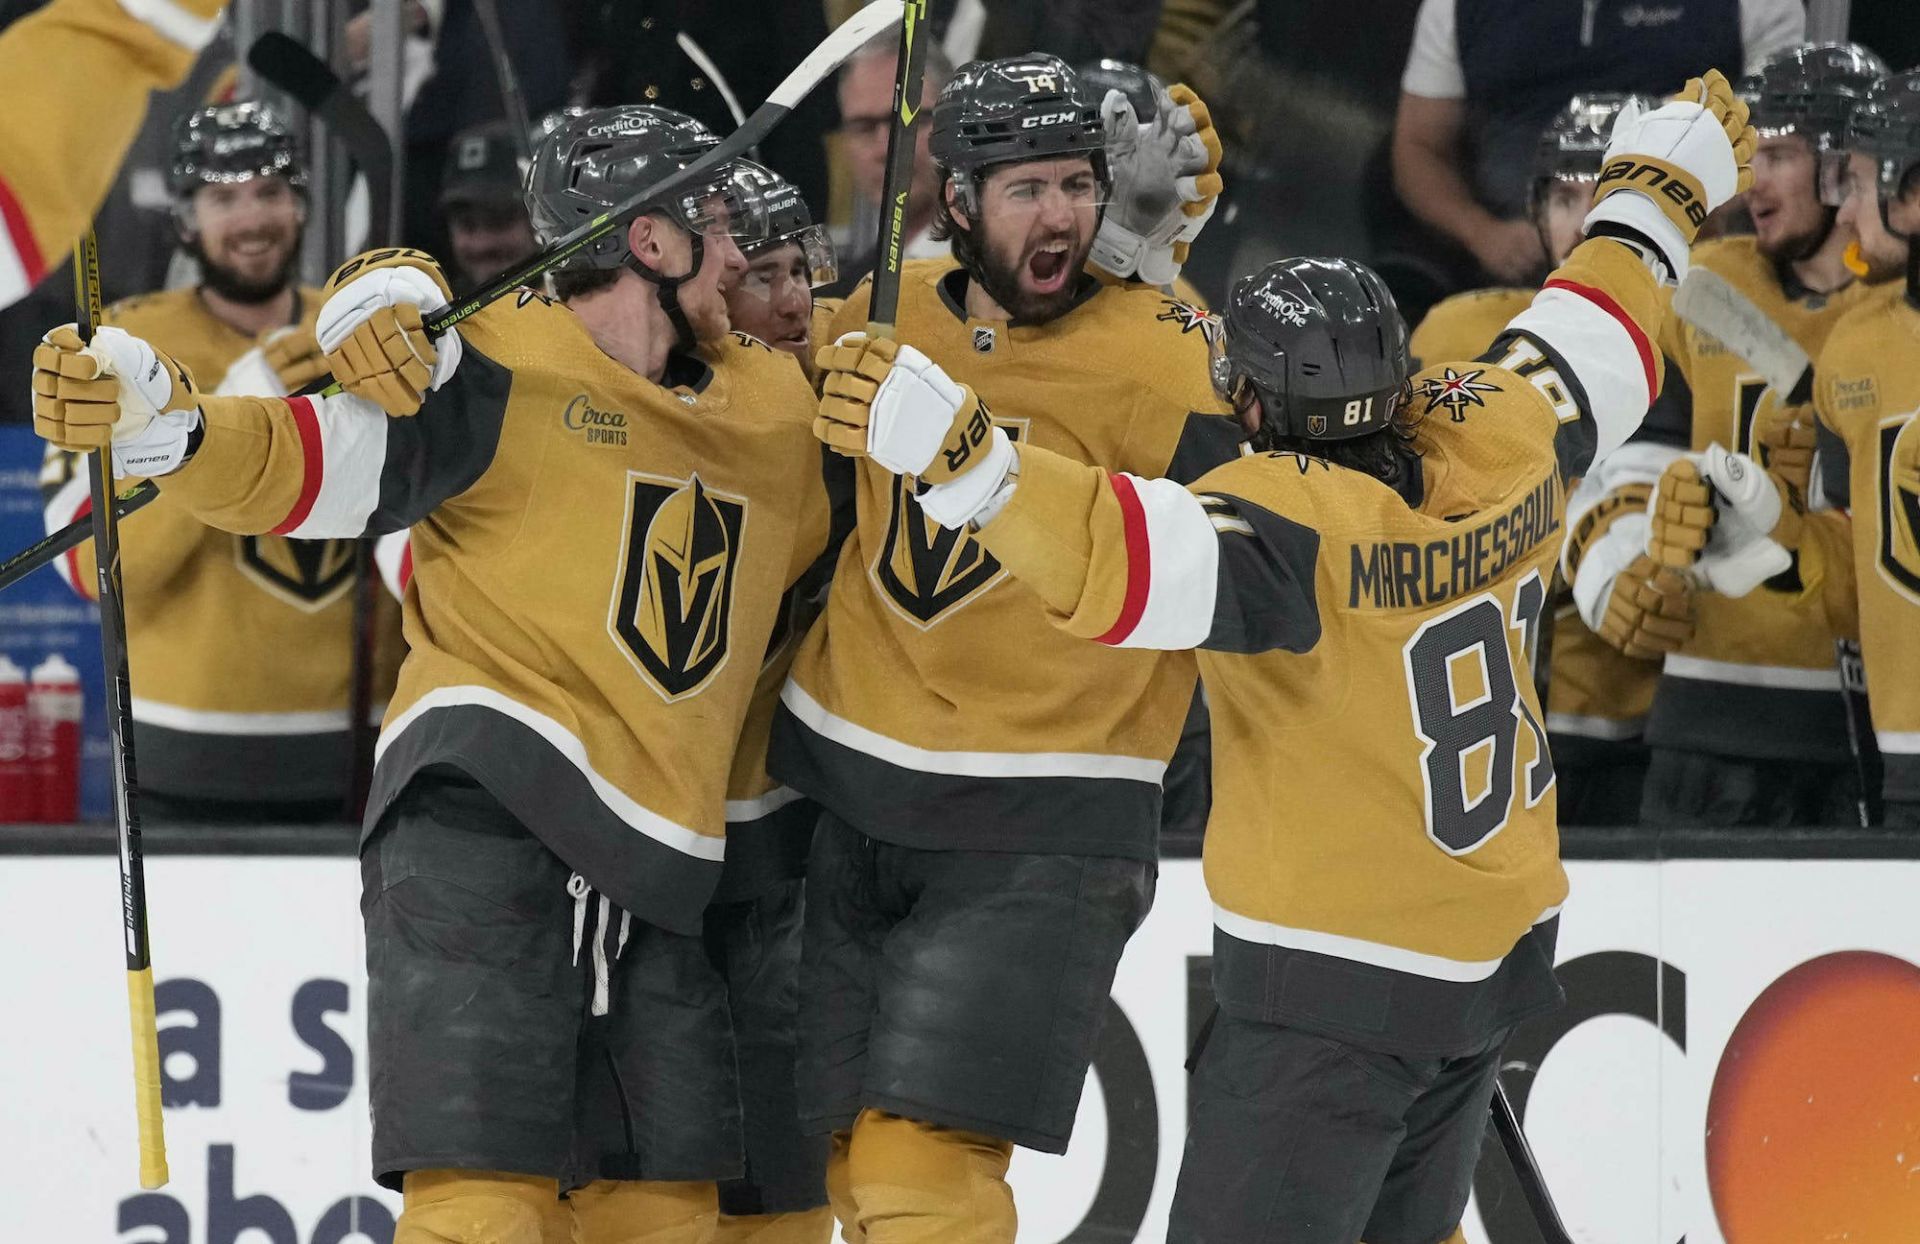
1899	516
674	610
983	340
307	574
926	571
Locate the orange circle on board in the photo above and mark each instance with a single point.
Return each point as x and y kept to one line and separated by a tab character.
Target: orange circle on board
1813	1124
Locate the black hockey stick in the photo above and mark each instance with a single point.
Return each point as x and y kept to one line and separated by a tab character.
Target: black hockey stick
43	552
884	298
512	103
313	84
126	804
283	61
1526	1171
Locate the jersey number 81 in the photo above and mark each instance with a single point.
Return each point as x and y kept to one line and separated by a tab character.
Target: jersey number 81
1454	727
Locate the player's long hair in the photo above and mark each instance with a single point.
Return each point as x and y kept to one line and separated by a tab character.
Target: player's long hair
1388	455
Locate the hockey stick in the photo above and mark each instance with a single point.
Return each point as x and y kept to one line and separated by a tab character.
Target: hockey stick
283	61
313	84
1526	1171
833	51
883	303
72	536
512	102
126	808
1712	304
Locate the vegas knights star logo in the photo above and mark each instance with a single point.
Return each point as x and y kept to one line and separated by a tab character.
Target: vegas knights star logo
1190	318
1899	511
674	608
307	574
926	571
1455	391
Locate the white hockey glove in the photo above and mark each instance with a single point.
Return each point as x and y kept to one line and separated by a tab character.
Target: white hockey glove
115	390
1667	169
1756	524
372	329
1166	182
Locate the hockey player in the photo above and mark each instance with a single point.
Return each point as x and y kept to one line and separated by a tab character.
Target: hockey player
991	788
1364	591
1597	696
1748	725
213	617
774	300
604	498
1861	559
76	75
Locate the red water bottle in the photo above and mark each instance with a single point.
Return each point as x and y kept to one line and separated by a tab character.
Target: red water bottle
18	801
54	710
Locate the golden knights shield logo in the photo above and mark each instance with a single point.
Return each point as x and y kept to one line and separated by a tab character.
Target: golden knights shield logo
1899	516
307	574
925	570
674	607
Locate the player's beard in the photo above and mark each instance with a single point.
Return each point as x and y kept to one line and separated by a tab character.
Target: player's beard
1000	278
1795	247
237	287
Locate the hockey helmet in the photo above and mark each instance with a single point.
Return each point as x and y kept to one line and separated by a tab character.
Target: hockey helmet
1141	87
1886	128
1320	343
1811	90
782	216
1575	141
230	143
1018	108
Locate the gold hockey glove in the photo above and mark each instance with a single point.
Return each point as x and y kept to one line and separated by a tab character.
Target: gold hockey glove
889	402
118	391
373	333
294	354
1680	515
1785	439
1650	611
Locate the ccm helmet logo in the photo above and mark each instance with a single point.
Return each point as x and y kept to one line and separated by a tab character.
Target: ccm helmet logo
1045	118
1648	177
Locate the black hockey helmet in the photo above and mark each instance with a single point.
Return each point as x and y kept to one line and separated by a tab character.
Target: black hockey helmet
1320	343
230	143
1032	107
1886	128
783	219
1574	142
599	159
1811	90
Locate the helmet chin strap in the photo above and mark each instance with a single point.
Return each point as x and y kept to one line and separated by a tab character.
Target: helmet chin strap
667	289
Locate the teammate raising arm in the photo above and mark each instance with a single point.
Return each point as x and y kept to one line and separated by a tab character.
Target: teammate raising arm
1382	853
74	80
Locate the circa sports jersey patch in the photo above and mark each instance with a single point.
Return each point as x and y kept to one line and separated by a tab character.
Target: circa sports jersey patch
307	574
595	426
1190	318
673	610
1455	391
926	571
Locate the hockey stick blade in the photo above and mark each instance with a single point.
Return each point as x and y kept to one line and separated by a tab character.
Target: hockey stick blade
1711	303
833	51
289	65
72	536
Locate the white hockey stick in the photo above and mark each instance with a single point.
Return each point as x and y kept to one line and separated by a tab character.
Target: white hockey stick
1712	304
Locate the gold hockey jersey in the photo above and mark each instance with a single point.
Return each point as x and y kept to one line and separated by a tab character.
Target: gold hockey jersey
1596	695
74	80
932	705
1382	854
1866	391
1758	679
598	566
240	647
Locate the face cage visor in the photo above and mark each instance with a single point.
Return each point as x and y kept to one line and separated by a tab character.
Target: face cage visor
728	206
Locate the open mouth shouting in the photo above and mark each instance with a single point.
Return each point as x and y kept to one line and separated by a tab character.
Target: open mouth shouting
1047	266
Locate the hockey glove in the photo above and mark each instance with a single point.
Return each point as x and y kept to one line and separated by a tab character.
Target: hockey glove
1756	527
1667	169
294	354
1680	515
117	391
1649	612
373	334
1166	180
1785	438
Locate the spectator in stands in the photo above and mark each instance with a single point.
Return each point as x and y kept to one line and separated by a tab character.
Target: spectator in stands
866	111
1485	76
487	227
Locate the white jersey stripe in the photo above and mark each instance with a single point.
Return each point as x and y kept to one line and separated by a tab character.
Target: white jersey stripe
1171	544
1773	677
208	721
1899	742
1612	729
1602	352
965	764
353	450
1394	958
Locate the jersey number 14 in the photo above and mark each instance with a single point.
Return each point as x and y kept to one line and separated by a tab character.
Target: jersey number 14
1466	697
